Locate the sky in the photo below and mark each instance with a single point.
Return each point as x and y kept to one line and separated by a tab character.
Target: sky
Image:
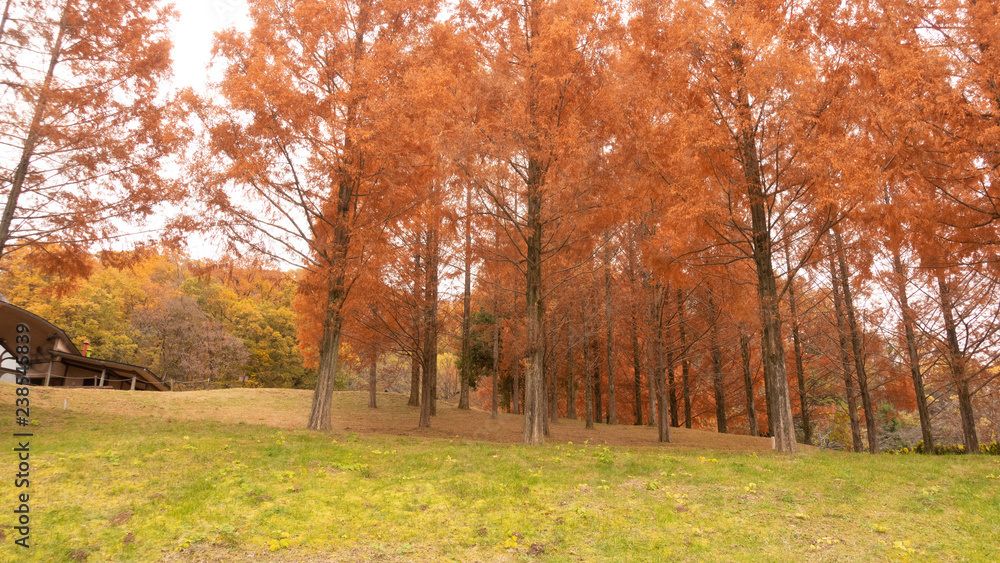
192	35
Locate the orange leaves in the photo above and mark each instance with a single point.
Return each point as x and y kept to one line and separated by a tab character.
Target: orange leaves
85	121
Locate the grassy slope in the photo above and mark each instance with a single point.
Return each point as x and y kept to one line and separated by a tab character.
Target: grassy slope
187	489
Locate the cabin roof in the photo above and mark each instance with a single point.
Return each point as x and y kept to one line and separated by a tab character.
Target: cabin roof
44	336
126	371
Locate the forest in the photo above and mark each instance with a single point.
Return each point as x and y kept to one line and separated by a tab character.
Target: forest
765	217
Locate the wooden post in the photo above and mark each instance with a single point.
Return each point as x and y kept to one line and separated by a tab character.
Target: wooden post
133	384
103	373
48	375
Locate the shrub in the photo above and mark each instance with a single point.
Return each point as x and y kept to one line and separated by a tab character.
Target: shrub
989	448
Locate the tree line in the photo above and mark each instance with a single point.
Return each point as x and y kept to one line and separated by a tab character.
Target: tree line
195	324
743	211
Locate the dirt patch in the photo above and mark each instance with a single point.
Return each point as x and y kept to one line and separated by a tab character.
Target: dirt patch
121	518
289	408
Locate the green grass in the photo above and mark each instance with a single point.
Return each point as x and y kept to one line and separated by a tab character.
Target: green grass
216	491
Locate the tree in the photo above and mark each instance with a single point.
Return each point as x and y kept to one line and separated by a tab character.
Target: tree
857	349
479	358
724	137
845	357
466	373
608	330
180	343
85	130
306	135
542	58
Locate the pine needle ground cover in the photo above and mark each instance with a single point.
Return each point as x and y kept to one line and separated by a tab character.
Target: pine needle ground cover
152	487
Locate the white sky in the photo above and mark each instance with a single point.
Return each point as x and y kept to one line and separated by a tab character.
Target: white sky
192	35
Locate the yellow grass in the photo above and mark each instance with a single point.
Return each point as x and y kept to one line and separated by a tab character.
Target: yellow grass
289	409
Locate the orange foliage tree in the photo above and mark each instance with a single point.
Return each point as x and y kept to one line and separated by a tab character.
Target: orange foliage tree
307	136
83	127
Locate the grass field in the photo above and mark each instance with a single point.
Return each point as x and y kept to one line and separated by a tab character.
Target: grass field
232	476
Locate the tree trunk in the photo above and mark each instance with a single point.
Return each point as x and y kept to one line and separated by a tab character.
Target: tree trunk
552	400
597	388
546	375
34	134
780	420
372	381
427	406
852	402
911	350
655	362
534	412
956	361
685	364
515	396
418	320
570	377
748	385
329	354
465	375
671	383
329	351
800	374
609	337
720	389
588	379
663	417
414	381
857	347
968	417
496	361
637	372
767	393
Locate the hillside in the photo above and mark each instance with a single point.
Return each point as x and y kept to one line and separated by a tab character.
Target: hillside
289	409
230	475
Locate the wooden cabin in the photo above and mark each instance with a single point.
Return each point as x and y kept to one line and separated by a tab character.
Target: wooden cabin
56	362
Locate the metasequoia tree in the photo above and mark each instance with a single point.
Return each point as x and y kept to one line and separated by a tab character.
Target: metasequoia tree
845	356
751	404
665	398
392	301
82	124
857	344
609	329
684	352
969	335
466	366
305	150
541	61
800	375
429	337
753	70
908	320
